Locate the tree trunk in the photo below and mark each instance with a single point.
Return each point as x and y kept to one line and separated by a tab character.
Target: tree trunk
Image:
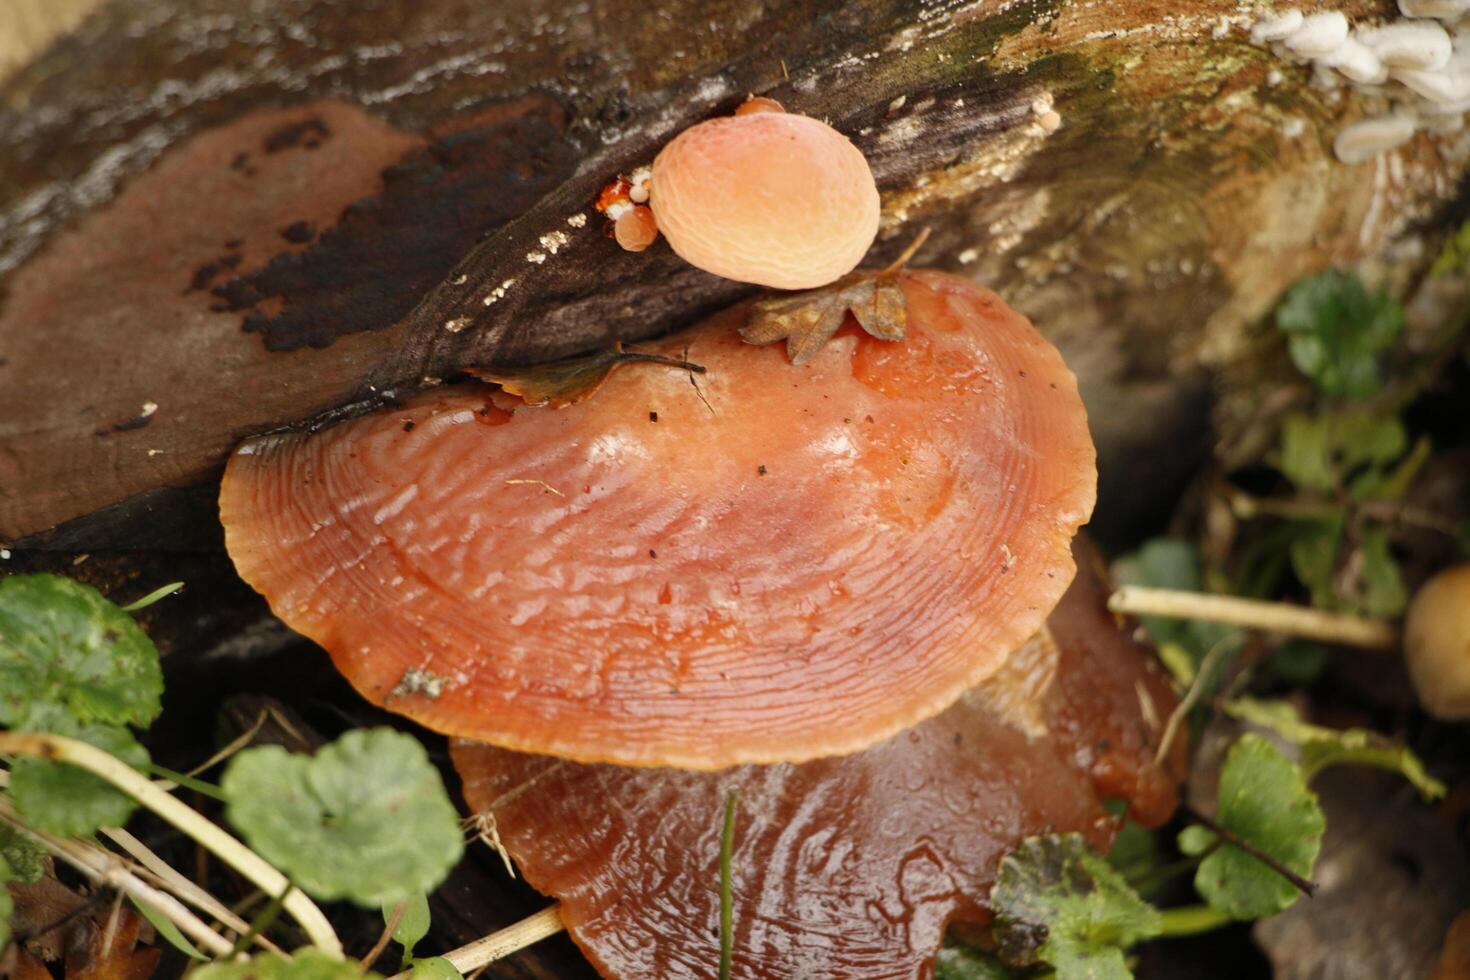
218	219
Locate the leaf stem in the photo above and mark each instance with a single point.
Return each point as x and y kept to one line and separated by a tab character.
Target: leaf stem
108	869
1190	920
498	945
174	779
633	356
1272	617
1306	887
389	928
908	253
185	889
162	592
1202	678
249	864
727	896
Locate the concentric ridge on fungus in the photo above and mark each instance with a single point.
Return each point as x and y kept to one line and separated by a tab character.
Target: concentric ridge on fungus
767	562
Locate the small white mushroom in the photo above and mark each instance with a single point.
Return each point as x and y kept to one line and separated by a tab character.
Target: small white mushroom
1440	87
1422	45
1367	138
1357	62
1437	644
1318	34
1276	27
1447	9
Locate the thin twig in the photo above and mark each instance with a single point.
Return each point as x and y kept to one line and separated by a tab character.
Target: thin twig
498	945
139	787
240	742
109	932
1192	696
389	927
908	253
1307	888
185	889
1272	617
108	869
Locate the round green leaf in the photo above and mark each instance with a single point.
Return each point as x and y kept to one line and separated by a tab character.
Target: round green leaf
367	818
1264	800
435	968
62	643
305	964
68	801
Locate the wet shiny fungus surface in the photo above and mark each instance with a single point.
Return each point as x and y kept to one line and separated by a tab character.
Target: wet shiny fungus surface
851	866
761	563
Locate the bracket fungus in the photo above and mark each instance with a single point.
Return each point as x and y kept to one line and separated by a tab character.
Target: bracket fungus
763	196
853	866
766	562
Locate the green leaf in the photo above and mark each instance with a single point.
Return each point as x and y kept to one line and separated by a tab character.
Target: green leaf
7	904
1380	484
65	800
1318	452
1059	903
1135	853
1306	454
61	642
309	963
435	968
413	926
964	963
1382	592
335	823
1169	563
1264	800
25	858
1322	747
1314	550
1336	330
170	932
1298	662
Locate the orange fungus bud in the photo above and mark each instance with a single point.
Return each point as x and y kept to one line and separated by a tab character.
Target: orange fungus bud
636	229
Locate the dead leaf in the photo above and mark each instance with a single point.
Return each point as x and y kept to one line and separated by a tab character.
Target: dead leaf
119	960
564	382
807	320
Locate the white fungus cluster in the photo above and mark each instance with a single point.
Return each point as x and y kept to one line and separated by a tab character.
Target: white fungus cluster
1420	64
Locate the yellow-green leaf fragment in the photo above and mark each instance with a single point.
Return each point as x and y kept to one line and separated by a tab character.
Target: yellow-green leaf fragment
309	963
1322	747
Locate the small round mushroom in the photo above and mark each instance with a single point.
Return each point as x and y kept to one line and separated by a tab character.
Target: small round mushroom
1437	644
767	562
767	197
636	229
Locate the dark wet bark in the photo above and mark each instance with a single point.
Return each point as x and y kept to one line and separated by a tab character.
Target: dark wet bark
256	217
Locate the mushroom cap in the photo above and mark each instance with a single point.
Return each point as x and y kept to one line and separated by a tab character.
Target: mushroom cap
1437	644
773	198
762	563
914	826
